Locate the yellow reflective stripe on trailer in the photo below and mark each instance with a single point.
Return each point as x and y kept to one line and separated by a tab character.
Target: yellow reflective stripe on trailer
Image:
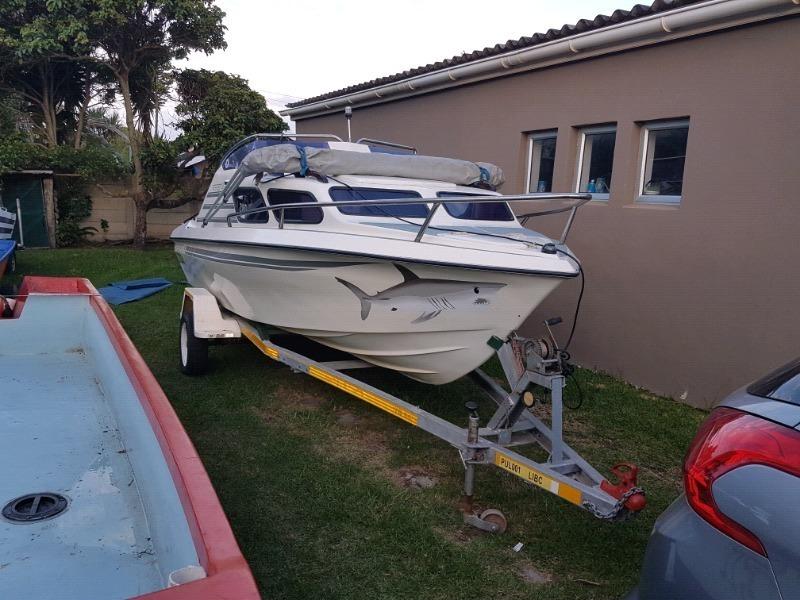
567	492
271	352
366	396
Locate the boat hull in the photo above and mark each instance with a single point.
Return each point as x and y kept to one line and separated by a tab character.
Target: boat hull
7	249
84	420
429	322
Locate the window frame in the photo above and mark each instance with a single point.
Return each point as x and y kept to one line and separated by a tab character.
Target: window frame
341	209
646	128
591	130
286	220
534	136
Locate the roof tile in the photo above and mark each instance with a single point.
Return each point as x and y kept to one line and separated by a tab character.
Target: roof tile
600	21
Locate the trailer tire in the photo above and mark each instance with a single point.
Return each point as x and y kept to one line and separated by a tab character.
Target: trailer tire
193	350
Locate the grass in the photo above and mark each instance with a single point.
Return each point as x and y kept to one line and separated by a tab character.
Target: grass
312	480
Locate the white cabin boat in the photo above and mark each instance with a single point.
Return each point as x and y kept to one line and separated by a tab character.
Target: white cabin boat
397	259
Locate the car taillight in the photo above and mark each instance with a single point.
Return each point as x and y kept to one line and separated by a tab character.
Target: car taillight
726	440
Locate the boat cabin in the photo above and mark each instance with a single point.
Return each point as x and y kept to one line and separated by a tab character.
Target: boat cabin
253	202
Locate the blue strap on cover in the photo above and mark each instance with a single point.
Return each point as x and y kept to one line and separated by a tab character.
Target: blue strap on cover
303	161
485	175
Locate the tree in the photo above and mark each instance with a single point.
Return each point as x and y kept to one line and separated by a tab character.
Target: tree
72	49
133	39
40	67
217	109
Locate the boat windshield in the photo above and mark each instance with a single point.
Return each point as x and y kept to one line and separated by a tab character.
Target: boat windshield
489	211
339	194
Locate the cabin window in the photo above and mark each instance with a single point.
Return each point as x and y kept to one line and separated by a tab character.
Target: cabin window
485	211
663	160
596	161
249	199
339	194
541	161
309	215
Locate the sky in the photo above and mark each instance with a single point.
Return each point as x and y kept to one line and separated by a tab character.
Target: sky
292	51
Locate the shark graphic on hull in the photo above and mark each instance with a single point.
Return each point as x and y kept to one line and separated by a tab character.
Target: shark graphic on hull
431	297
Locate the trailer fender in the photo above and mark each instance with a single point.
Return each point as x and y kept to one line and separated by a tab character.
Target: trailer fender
208	318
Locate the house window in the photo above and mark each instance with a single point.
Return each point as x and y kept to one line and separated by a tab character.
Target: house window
596	161
541	160
663	160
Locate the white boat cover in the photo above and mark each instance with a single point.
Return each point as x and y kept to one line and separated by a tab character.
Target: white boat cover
289	158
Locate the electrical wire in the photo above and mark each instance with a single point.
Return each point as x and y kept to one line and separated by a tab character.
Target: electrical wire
580	297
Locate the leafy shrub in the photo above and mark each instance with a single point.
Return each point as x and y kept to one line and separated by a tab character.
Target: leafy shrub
70	233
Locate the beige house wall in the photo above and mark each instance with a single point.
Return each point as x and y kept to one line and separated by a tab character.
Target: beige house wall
691	301
111	202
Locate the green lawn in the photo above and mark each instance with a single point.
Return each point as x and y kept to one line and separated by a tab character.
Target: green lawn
313	480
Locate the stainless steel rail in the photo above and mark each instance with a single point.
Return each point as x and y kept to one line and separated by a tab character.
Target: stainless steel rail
579	200
369	141
238	176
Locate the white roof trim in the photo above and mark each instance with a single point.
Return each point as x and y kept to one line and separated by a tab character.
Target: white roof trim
652	29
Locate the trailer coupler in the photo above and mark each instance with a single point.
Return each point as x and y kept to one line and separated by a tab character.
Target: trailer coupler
626	487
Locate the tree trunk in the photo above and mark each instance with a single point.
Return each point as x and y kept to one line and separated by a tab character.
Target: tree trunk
87	97
137	187
139	224
50	124
48	107
155	121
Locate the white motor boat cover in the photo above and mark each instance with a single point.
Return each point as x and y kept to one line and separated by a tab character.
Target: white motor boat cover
289	158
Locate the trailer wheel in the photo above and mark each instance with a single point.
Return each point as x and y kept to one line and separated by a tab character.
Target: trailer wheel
496	518
194	351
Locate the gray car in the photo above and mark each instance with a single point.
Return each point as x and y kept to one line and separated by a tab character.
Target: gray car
735	532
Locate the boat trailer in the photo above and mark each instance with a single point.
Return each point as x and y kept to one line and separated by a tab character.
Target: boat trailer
525	362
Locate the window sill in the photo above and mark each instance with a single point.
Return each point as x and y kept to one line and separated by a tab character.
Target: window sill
656	202
657	199
600	198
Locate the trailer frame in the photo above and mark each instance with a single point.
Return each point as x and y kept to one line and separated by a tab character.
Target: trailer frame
565	473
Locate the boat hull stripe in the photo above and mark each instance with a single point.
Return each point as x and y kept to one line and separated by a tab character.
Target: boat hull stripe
404	259
268	263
